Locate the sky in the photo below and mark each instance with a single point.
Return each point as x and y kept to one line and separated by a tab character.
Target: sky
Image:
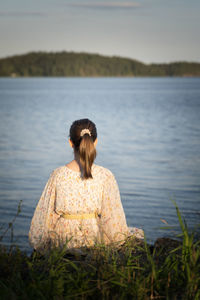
151	31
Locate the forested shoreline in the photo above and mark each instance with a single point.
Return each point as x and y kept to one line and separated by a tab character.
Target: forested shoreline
71	64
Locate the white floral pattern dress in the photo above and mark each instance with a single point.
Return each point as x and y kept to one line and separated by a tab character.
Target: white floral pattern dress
67	193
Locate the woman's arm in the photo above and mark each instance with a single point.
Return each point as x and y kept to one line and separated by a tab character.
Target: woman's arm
43	216
113	226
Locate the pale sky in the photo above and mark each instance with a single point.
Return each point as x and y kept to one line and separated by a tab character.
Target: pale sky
145	30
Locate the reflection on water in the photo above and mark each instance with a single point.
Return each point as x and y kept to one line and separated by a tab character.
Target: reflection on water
149	137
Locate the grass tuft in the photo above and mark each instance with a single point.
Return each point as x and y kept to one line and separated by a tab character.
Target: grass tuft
170	269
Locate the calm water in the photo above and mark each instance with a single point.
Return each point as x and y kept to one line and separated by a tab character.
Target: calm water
149	137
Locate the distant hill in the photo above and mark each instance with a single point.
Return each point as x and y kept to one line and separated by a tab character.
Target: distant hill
70	64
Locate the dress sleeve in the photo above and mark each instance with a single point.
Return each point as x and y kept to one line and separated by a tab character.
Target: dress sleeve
43	216
113	226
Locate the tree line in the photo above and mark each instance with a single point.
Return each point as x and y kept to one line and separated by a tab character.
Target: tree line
71	64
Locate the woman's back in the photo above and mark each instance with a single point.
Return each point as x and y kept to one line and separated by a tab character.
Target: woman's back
75	195
85	211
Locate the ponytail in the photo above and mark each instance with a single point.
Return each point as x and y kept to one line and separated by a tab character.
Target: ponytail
83	135
87	155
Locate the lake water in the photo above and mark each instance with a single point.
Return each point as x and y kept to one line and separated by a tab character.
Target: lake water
149	137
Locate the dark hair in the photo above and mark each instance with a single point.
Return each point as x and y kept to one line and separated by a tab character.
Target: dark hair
84	145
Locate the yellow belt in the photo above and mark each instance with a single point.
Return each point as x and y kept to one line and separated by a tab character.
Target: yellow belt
80	216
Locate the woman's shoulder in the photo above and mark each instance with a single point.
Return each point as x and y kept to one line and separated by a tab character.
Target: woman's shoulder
102	171
58	171
97	171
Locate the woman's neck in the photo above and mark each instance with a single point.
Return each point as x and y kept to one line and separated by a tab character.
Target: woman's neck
74	165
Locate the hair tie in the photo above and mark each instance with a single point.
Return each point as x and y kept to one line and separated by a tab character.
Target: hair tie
85	131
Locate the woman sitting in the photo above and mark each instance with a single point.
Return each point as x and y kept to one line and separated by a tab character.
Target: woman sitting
80	204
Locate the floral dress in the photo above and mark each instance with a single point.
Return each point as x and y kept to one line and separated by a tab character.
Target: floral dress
66	193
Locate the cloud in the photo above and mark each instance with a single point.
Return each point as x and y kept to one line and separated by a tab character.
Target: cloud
107	5
21	14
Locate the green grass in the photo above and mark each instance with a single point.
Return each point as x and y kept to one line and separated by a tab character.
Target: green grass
168	270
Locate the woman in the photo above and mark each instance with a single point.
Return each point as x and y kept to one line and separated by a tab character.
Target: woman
80	203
